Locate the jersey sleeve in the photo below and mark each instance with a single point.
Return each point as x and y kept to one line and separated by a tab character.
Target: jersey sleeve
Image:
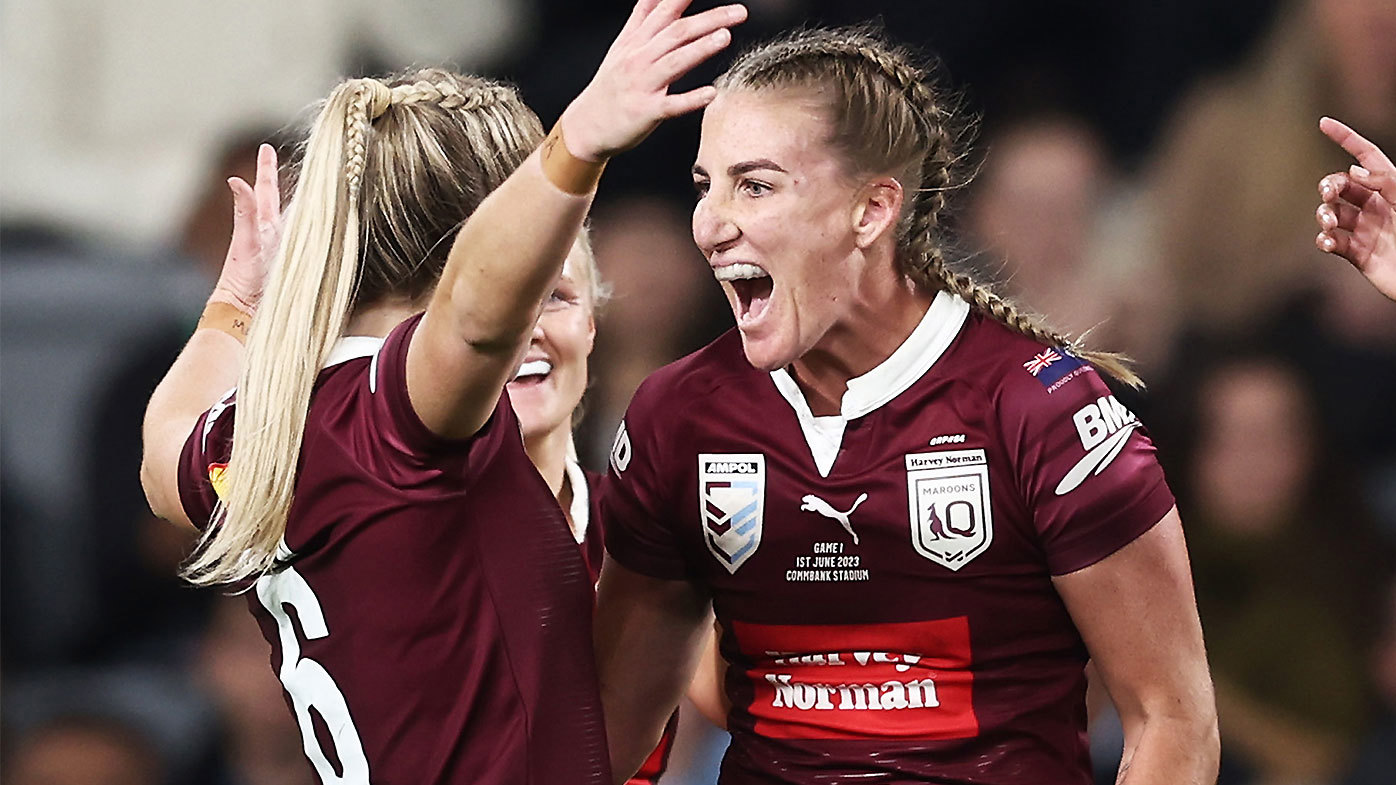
402	448
637	499
204	459
1085	466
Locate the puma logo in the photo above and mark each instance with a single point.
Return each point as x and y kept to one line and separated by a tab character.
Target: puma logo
812	503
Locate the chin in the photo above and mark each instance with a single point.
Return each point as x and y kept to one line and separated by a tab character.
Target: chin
764	355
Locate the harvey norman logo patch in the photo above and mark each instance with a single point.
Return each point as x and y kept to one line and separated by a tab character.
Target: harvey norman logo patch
1104	428
952	521
732	498
904	680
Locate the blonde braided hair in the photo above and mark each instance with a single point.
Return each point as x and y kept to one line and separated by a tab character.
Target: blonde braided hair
885	116
390	171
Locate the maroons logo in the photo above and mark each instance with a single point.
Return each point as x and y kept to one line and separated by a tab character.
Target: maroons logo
948	495
731	501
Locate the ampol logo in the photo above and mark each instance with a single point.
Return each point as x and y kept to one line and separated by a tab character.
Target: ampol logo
1104	428
731	501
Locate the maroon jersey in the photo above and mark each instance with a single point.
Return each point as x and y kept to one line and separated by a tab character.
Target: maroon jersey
883	577
586	529
433	624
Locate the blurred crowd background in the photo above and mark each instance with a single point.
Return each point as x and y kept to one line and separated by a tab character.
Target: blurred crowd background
1142	172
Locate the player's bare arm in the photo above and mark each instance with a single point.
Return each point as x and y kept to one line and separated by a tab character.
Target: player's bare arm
1357	218
509	253
650	634
1137	614
707	692
210	363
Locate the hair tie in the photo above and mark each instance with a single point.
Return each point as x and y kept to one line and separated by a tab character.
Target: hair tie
379	96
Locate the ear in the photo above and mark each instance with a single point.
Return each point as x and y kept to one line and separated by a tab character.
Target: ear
591	332
876	210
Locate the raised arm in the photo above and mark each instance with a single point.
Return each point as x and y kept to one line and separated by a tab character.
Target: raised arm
1357	218
1138	616
650	634
210	363
506	257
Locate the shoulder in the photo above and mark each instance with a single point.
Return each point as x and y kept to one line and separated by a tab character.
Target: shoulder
1019	376
692	378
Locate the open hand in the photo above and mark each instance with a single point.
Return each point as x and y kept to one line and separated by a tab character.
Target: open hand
256	232
1358	215
629	95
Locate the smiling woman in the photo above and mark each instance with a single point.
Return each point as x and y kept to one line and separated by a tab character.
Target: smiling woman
873	399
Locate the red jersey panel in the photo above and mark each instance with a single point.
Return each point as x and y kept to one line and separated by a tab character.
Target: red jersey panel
883	577
433	624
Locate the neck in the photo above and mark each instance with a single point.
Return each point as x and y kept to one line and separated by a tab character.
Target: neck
881	318
548	451
379	318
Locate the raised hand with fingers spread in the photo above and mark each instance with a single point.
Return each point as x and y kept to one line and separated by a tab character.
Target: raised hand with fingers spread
629	95
1358	215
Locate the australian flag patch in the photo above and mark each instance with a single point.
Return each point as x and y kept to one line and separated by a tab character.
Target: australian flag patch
1054	367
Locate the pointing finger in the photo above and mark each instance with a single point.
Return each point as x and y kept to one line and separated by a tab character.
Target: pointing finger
1366	153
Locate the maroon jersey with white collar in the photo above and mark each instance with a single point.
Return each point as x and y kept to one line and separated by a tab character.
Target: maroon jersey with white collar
883	577
433	625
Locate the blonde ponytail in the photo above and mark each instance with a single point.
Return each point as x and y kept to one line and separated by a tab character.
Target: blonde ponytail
303	312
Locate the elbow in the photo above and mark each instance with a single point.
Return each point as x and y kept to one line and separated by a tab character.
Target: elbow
154	495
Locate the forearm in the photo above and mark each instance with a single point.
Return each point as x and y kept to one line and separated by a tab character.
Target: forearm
1171	750
206	369
649	635
508	256
707	691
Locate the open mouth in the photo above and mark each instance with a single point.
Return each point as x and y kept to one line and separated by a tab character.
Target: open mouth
532	372
752	286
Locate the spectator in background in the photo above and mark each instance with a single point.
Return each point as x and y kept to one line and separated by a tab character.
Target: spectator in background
1285	571
147	610
1036	207
1232	182
1376	757
83	750
258	743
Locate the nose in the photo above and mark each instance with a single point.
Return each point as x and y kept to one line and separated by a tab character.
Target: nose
713	226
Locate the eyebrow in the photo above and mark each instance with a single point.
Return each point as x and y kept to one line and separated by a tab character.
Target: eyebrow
745	166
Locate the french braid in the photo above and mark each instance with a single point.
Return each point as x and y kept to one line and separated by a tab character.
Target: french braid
886	116
388	173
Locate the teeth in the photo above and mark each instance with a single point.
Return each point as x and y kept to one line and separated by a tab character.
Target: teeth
534	368
739	272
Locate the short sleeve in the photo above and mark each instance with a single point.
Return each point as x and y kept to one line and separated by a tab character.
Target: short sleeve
637	508
402	448
204	459
1084	464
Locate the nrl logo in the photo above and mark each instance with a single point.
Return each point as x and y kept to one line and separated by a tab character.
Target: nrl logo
731	498
952	520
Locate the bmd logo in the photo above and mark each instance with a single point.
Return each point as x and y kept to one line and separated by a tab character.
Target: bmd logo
1104	428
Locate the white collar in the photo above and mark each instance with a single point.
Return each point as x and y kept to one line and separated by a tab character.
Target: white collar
893	376
581	499
352	347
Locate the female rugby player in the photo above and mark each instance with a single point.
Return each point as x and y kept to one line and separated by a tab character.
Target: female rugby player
916	512
547	397
428	613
